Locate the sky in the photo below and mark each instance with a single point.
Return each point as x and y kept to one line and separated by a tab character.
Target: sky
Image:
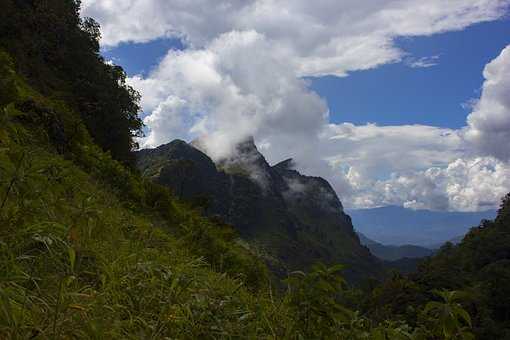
394	102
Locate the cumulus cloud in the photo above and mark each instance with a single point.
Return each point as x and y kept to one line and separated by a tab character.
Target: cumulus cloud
426	167
224	101
489	124
463	185
241	75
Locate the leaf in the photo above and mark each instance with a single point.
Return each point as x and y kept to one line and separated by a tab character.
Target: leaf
467	335
297	273
4	137
432	306
6	307
336	268
72	257
68	280
174	284
78	307
463	314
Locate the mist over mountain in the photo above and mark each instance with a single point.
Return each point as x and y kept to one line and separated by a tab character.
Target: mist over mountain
395	225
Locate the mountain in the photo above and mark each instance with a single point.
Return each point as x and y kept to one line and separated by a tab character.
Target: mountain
400	226
393	253
297	220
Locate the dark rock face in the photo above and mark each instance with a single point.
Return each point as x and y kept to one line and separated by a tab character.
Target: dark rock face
296	219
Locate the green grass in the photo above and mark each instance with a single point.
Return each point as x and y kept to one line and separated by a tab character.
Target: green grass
76	262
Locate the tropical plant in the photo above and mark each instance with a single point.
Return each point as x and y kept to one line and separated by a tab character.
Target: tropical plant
314	297
451	320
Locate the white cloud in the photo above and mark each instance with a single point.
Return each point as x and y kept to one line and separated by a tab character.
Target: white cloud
225	101
463	185
489	124
376	150
240	76
440	169
322	37
423	62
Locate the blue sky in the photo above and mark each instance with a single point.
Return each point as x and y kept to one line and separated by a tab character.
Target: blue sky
391	94
397	94
140	58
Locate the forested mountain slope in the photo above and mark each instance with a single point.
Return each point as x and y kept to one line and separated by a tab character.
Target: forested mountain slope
91	250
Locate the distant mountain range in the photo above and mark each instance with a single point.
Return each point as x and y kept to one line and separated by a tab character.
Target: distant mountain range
399	226
393	253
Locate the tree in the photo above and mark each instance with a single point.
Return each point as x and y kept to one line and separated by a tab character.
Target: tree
315	300
58	52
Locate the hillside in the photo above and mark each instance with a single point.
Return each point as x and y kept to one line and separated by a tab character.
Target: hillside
296	219
400	226
91	250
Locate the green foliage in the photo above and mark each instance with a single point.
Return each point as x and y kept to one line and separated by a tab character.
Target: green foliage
315	297
8	89
452	320
59	54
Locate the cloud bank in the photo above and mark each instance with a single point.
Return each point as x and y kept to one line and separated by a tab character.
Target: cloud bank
241	75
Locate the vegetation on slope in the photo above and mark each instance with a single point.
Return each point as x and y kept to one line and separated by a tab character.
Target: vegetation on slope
58	53
89	249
